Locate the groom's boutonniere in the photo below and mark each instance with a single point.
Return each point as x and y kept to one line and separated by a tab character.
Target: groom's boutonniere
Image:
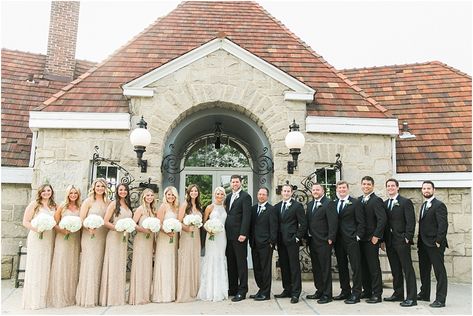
348	202
395	203
366	199
237	196
288	204
262	208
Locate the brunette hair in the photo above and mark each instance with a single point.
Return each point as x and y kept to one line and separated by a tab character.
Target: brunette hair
189	199
117	198
51	202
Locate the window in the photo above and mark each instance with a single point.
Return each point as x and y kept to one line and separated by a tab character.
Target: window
328	178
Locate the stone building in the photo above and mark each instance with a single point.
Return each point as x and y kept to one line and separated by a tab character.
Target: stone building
225	80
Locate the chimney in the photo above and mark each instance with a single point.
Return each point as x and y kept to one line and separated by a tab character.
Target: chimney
63	25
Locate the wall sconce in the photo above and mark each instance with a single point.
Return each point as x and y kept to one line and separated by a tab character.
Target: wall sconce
140	138
294	141
405	132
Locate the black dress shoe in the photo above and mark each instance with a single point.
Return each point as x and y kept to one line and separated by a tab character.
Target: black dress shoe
408	303
282	295
238	298
254	295
393	298
437	304
374	299
324	300
261	297
422	297
315	296
294	300
342	296
365	294
352	300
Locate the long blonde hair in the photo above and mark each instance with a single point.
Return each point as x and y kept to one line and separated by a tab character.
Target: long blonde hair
51	202
92	189
176	195
151	211
67	201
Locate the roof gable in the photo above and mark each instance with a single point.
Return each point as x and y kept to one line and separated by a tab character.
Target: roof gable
300	91
435	100
195	23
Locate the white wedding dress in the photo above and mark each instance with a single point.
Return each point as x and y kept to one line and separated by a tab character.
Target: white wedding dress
213	271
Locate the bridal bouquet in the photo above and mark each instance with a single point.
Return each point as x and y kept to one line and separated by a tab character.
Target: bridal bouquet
213	226
43	222
151	223
193	220
171	225
70	223
93	221
125	225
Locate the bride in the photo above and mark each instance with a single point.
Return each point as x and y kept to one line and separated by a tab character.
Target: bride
213	273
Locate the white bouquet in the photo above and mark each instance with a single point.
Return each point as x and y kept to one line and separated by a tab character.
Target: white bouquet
193	220
93	221
151	223
70	223
213	226
125	225
43	222
171	225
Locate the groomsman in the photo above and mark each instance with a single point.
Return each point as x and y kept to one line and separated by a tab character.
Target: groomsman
375	219
351	227
322	223
292	226
237	228
431	243
263	238
399	236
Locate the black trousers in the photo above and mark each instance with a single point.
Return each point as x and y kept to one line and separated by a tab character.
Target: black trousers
290	268
371	269
237	266
321	258
262	259
428	257
399	256
348	248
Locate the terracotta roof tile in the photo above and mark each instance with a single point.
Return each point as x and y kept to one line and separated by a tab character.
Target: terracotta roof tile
435	100
19	97
194	23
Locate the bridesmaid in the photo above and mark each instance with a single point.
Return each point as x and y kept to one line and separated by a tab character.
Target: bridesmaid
142	264
40	251
113	284
91	261
65	267
188	272
164	274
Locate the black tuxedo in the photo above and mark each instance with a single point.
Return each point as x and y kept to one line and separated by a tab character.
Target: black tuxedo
375	219
351	224
263	235
292	224
433	229
399	228
322	226
237	223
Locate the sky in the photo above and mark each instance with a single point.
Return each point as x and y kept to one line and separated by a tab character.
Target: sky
348	34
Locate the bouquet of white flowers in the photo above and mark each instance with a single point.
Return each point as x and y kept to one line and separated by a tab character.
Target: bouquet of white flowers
125	225
151	223
70	223
93	221
192	220
213	226
171	225
43	222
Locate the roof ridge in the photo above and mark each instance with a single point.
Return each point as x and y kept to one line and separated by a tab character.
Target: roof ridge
329	66
23	52
455	70
79	79
387	66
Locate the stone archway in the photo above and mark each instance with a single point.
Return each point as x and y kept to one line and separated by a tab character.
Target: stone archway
200	121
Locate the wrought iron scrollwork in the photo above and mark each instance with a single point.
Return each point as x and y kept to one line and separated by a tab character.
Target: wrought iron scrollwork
264	164
172	162
97	161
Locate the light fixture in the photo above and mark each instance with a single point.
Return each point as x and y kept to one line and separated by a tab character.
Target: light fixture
294	141
140	138
406	133
217	135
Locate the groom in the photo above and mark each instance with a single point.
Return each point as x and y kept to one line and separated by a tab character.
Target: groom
237	227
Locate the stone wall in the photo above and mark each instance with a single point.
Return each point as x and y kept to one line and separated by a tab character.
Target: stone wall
458	255
15	198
